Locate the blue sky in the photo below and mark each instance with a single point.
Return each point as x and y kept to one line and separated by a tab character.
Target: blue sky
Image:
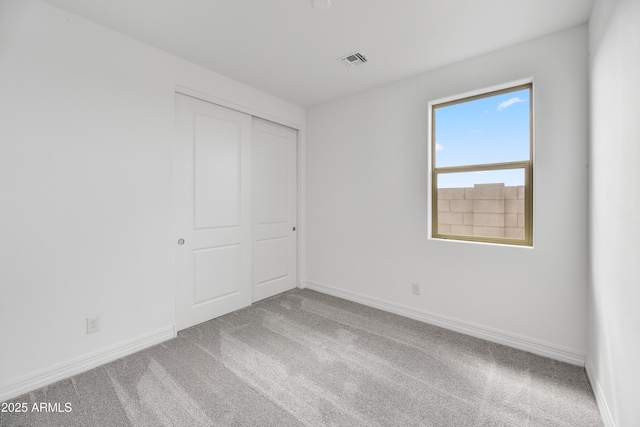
487	130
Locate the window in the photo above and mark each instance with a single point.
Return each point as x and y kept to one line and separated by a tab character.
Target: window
482	171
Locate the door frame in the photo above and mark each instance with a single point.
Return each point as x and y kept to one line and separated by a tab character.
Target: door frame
300	177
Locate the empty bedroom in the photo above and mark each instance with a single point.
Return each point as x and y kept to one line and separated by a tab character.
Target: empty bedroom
319	212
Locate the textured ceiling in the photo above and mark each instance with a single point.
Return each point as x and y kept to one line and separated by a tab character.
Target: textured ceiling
290	50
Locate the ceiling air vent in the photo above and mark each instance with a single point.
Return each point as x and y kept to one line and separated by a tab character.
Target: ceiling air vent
354	59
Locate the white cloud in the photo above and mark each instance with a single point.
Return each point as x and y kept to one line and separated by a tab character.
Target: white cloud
509	103
439	147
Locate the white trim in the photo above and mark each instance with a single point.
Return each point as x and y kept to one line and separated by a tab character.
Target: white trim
237	107
302	212
542	348
50	375
605	412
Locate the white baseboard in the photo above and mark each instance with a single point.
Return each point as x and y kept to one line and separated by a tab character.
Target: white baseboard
520	342
43	377
607	417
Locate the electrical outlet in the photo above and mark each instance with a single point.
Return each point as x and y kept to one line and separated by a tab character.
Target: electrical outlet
93	324
416	288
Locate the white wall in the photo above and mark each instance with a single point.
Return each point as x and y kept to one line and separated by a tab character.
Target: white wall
86	221
614	298
368	211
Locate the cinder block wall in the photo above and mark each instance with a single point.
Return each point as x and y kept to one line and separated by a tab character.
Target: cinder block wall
487	210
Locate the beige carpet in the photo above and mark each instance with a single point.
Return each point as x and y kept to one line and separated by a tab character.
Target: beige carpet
304	358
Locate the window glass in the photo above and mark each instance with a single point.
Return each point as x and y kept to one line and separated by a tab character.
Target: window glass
508	177
482	170
494	129
485	204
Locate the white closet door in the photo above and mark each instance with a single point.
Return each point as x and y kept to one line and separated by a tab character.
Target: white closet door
275	208
212	210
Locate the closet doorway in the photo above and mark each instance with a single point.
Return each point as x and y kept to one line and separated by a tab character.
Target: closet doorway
235	191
